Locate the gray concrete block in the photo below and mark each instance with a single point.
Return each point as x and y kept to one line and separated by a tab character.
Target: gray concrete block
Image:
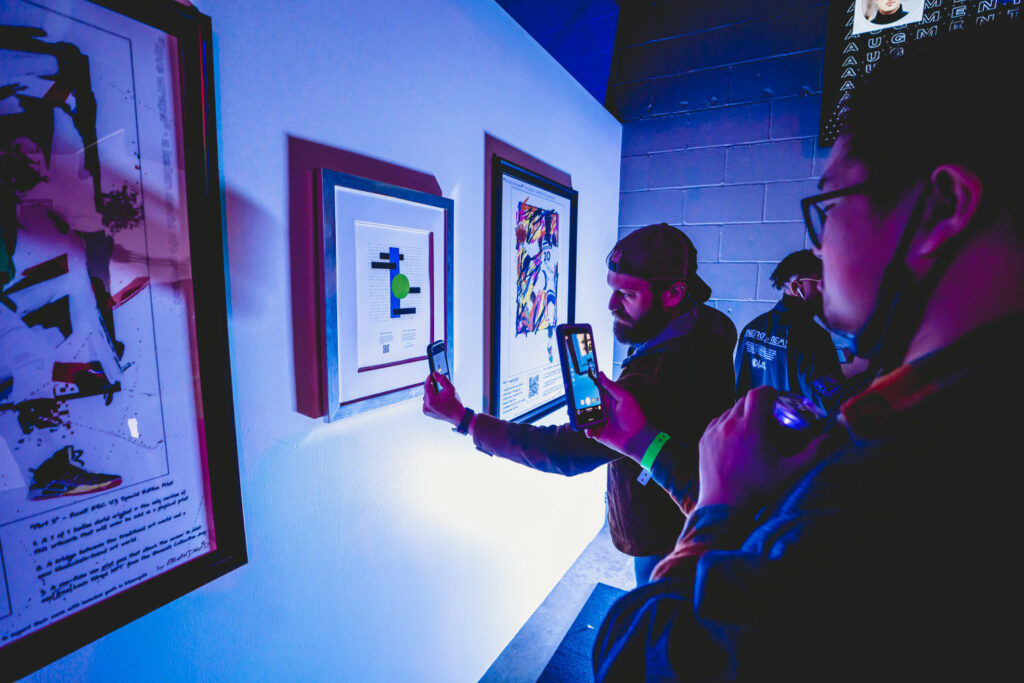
707	128
730	280
634	173
630	101
728	125
776	77
796	117
761	241
706	239
782	200
687	168
725	204
650	206
770	161
742	312
803	30
655	135
738	42
691	91
765	290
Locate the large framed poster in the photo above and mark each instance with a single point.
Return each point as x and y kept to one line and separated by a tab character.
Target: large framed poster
387	264
862	32
119	482
533	289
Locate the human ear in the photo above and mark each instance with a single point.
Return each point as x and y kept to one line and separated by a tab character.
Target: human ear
956	197
673	294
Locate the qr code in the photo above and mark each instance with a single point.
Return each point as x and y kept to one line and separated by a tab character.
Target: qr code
534	386
387	347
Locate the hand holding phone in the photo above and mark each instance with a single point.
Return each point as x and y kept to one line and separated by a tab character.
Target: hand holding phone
579	374
437	357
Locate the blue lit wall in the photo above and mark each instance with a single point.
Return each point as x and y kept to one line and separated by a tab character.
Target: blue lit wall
382	547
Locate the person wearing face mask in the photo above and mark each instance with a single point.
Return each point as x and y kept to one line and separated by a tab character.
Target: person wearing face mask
785	348
886	549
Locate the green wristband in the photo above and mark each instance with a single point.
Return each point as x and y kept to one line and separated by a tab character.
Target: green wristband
652	451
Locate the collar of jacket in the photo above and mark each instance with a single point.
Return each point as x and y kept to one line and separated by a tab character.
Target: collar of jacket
795	305
679	326
874	412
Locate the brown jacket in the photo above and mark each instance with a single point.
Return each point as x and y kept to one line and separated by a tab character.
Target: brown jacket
682	379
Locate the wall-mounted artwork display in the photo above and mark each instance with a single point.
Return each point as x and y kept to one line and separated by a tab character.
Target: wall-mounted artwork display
119	482
387	263
533	275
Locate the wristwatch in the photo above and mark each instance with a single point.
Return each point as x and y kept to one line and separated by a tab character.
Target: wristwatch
463	426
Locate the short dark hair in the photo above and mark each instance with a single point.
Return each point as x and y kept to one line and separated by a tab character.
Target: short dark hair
946	100
802	262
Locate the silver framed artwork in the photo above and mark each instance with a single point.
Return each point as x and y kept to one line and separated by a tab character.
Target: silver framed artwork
387	289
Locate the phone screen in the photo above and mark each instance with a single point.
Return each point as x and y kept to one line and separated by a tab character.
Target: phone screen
584	392
439	359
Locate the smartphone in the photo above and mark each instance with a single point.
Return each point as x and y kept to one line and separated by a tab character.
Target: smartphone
579	373
797	421
437	356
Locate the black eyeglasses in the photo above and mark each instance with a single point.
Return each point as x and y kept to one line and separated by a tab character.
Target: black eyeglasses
814	215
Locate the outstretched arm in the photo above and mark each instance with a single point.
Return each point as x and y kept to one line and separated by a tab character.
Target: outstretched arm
560	450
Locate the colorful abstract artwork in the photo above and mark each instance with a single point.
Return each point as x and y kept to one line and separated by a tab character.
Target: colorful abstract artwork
533	259
399	286
536	269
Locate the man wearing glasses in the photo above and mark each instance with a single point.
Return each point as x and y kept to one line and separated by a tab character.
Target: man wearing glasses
784	348
887	548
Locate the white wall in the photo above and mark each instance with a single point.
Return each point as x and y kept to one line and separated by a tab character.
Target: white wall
383	547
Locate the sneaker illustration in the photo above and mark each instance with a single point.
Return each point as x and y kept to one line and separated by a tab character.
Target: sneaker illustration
57	477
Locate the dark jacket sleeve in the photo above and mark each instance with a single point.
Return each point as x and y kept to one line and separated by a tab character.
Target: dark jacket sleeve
655	632
740	366
819	374
727	608
675	470
560	450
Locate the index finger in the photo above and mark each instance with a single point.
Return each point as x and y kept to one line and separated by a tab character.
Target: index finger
443	382
758	402
606	385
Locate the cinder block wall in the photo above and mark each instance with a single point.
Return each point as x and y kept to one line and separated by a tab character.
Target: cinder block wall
720	104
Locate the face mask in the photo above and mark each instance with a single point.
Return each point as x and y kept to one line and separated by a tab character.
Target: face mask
900	302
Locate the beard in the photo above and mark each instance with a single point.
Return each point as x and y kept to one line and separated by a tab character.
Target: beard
642	329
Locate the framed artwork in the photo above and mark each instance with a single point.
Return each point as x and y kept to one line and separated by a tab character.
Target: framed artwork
119	484
387	264
533	289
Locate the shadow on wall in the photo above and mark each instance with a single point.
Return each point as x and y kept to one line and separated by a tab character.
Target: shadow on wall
305	158
245	253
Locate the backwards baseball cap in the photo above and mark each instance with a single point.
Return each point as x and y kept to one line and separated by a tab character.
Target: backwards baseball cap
659	253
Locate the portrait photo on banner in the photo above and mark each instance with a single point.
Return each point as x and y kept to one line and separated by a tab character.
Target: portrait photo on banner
879	15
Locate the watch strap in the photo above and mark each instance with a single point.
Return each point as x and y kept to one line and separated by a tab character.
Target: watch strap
463	426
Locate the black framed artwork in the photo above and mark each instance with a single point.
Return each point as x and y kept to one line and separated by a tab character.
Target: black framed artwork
387	261
119	485
532	275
